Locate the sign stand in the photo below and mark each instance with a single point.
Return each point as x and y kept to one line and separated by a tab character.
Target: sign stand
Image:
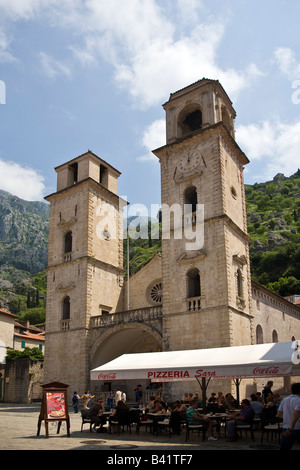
54	406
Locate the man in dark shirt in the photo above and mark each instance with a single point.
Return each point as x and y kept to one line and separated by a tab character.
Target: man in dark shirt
245	416
267	390
96	416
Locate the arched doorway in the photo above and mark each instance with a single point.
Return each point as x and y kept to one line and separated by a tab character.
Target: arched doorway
127	338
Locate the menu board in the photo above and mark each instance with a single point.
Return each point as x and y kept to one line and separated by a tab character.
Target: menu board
55	405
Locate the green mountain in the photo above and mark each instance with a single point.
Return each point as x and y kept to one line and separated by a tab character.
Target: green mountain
273	211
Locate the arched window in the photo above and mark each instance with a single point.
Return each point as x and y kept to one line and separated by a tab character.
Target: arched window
73	170
190	197
193	121
68	242
259	335
226	120
239	280
274	336
66	308
193	283
189	119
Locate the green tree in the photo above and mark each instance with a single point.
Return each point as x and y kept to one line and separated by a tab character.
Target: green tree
34	354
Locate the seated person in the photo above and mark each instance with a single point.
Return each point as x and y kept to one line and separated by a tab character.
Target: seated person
157	407
95	413
177	416
229	402
245	416
194	417
120	408
163	404
180	407
258	406
150	404
213	398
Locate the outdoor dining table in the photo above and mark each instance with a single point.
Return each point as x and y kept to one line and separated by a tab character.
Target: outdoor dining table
156	417
219	418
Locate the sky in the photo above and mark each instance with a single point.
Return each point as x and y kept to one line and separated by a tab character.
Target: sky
81	75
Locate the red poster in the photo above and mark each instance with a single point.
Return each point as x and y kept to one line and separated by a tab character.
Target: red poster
55	405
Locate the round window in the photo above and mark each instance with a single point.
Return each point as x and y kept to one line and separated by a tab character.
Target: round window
156	293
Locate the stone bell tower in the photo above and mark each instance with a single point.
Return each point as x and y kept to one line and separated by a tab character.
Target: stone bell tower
85	260
205	256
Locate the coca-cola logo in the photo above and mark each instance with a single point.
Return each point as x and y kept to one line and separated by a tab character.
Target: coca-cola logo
109	376
266	370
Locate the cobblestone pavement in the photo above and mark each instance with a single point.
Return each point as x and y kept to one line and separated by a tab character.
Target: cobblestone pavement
18	431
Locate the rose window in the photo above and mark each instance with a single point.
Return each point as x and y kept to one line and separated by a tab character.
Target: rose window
156	293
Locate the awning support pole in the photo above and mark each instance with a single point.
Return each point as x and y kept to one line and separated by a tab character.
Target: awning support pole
203	385
237	386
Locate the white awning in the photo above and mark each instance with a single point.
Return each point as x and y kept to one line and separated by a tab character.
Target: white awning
259	360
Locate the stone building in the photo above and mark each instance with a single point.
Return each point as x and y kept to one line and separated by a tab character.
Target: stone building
20	380
197	293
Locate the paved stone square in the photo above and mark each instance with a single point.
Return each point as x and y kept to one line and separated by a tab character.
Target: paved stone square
18	431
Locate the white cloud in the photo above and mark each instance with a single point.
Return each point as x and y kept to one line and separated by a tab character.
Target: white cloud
16	9
164	63
5	54
275	144
150	51
154	136
287	63
52	67
23	182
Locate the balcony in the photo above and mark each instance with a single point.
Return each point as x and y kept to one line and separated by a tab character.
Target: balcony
193	304
65	324
140	315
68	256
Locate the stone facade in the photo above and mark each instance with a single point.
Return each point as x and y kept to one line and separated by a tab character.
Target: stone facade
197	293
7	322
23	381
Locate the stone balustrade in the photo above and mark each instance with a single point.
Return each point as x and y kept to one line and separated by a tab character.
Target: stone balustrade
138	315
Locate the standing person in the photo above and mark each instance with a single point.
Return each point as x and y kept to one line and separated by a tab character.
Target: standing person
123	396
110	399
86	398
138	394
75	399
289	411
90	399
118	396
267	391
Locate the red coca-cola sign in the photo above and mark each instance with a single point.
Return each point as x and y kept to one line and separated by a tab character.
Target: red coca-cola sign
266	370
108	376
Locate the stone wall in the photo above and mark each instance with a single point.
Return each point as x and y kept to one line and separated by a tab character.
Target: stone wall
23	381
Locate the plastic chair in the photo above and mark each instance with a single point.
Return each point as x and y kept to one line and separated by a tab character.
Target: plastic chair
194	427
85	419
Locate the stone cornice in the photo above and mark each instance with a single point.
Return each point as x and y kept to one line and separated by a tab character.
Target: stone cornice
219	127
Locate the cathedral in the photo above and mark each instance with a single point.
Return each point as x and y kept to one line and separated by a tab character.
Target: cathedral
197	293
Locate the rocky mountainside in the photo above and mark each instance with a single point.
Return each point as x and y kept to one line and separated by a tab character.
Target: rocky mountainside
23	238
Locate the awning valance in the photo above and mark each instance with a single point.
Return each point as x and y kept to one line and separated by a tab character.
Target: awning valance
259	360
